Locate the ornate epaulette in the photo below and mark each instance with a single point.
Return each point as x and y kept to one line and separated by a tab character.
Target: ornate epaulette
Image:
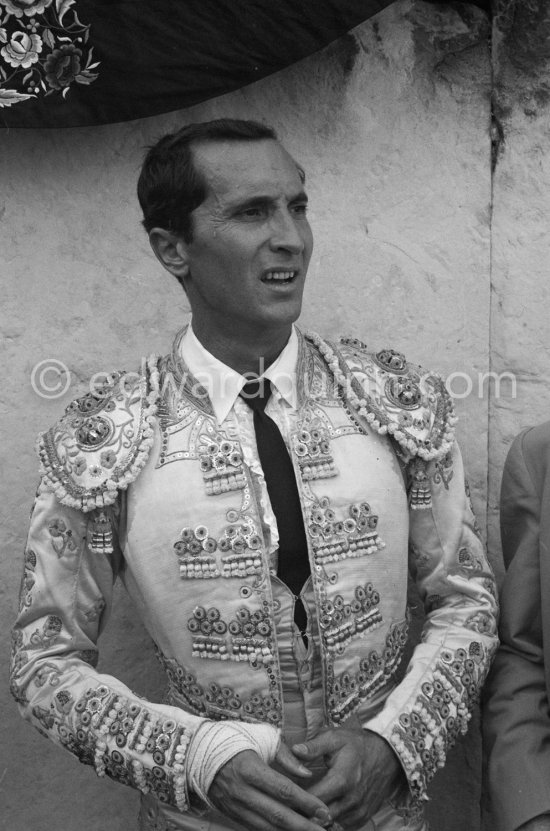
393	396
101	443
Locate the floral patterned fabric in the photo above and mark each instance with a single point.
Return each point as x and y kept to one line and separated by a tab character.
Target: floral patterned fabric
45	50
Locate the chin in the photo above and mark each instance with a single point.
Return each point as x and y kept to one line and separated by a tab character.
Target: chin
290	314
278	322
275	316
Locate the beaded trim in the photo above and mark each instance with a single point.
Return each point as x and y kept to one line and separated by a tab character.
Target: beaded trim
312	450
112	477
247	637
105	717
386	359
347	690
240	546
420	492
442	435
339	621
441	711
221	466
101	534
335	538
216	701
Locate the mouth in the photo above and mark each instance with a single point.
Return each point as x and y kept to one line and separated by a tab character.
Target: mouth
280	276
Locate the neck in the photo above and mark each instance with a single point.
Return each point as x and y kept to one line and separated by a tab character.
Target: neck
250	353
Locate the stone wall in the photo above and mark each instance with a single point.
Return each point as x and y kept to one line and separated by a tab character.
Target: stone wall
393	126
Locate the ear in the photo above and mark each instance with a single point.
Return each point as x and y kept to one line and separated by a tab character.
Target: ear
171	252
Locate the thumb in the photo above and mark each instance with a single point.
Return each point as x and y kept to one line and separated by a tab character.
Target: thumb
312	749
289	763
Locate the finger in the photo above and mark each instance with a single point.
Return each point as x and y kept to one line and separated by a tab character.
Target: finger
289	763
333	787
262	813
286	792
321	745
246	780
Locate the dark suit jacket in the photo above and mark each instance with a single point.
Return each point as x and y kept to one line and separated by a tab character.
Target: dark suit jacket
517	716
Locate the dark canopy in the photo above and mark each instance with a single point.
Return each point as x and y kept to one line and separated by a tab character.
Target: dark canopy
66	63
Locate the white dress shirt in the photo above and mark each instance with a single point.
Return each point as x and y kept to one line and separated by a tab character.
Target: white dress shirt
224	386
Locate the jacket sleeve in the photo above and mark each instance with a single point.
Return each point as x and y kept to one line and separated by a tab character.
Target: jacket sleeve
516	716
431	706
70	565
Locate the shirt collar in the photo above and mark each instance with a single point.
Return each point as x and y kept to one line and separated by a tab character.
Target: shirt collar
223	384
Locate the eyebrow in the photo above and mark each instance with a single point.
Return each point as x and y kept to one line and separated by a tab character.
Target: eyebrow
259	201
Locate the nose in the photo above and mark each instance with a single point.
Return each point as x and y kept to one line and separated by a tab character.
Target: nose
287	233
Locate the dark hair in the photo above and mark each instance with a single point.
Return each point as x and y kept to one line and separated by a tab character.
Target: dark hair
170	187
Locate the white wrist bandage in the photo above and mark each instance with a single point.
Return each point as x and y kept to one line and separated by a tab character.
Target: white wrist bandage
216	742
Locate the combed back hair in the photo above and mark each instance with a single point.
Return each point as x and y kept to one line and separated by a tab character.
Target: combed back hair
170	187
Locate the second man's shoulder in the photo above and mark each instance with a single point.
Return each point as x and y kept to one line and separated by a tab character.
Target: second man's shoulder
536	440
532	447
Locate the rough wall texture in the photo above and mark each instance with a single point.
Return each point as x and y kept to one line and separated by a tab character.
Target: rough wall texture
392	124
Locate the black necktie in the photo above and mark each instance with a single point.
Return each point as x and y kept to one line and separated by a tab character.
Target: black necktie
283	493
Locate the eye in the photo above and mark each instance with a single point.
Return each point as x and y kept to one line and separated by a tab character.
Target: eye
300	209
253	212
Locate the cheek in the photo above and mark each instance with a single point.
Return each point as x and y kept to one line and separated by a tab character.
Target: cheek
308	251
233	253
307	237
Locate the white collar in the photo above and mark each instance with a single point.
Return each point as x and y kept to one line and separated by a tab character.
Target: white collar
223	384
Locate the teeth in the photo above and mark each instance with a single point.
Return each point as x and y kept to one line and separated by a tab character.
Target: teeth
280	275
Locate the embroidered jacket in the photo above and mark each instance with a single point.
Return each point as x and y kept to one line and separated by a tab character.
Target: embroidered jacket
382	489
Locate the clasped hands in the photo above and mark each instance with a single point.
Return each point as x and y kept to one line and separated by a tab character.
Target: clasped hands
362	771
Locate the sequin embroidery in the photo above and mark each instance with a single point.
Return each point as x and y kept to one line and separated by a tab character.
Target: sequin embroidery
420	494
441	710
216	701
221	464
335	538
101	712
339	621
312	449
239	545
387	359
348	689
247	637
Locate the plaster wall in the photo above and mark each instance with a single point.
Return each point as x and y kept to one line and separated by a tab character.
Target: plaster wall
392	124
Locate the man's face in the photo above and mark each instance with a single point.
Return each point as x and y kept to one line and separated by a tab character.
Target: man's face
252	242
